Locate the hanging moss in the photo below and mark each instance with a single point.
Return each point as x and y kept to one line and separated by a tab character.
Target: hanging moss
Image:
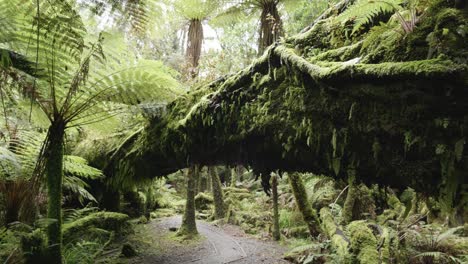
390	110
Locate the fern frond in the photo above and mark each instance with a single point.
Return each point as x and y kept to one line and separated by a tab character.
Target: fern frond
9	164
363	12
78	167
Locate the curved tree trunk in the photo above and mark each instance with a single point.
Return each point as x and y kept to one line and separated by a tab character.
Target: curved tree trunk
189	226
308	213
54	173
271	26
194	46
274	190
218	197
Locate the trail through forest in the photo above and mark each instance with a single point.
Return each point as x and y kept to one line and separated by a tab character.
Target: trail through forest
217	245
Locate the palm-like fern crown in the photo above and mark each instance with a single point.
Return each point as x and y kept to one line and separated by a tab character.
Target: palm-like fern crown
82	77
195	9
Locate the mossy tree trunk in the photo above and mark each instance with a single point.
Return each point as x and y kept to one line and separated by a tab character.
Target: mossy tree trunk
348	206
209	180
233	177
54	173
189	226
274	191
308	213
202	182
218	197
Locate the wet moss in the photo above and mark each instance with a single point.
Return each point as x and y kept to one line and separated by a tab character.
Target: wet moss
363	242
105	220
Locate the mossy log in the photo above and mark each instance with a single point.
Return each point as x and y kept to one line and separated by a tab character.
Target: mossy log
338	239
363	243
395	117
105	220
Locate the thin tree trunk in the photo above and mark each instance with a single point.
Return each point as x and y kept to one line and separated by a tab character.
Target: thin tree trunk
271	25
233	177
189	226
274	190
54	172
194	46
218	197
308	213
209	180
348	206
240	172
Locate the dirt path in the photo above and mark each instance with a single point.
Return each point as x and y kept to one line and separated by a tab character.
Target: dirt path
226	245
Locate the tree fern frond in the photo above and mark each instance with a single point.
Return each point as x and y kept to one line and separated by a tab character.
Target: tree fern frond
363	12
9	164
78	167
450	233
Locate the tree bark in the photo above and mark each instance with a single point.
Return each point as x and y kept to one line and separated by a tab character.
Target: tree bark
274	190
194	46
54	173
271	25
308	213
348	206
218	197
189	226
233	177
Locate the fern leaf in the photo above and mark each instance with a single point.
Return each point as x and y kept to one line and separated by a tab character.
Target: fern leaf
363	12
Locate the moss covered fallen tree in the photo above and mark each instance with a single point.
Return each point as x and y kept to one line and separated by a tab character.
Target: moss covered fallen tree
389	104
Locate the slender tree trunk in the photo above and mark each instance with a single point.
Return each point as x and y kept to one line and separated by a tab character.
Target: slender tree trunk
308	213
189	226
271	25
194	46
209	180
54	172
348	206
274	190
240	172
202	182
218	197
233	177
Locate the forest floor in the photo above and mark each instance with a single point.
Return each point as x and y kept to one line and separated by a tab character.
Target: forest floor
225	244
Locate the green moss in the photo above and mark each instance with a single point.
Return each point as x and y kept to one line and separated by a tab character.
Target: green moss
363	242
338	239
300	196
202	201
106	220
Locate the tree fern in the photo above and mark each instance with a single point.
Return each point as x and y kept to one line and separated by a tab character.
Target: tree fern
363	12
